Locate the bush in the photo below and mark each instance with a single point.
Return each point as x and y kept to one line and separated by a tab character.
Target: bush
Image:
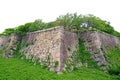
72	22
114	70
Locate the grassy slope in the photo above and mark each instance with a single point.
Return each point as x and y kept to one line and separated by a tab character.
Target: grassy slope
16	69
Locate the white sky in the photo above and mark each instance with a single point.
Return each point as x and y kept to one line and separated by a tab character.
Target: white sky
16	12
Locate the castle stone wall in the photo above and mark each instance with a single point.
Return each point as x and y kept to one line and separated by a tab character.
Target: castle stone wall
53	46
53	43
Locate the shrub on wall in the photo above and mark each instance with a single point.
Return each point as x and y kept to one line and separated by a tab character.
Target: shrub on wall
81	57
72	22
113	58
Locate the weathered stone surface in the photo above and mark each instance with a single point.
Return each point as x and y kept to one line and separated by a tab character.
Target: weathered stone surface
69	42
99	44
51	42
8	44
53	46
4	41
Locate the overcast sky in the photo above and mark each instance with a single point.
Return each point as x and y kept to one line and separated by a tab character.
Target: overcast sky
16	12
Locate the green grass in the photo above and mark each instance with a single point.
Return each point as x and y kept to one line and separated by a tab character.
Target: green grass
16	69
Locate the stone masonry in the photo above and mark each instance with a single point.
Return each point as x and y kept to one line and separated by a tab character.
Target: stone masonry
8	45
52	42
53	46
99	44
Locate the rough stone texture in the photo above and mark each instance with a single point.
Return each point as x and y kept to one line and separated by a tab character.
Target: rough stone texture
4	41
45	43
99	44
55	45
52	42
69	43
9	44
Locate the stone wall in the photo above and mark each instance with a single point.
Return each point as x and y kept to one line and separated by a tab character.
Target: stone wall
99	44
51	43
3	41
69	43
8	45
53	46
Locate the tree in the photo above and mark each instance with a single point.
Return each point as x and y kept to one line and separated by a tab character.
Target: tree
22	30
8	31
73	22
37	25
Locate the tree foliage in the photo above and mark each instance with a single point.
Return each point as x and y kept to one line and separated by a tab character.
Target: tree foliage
8	31
72	22
85	22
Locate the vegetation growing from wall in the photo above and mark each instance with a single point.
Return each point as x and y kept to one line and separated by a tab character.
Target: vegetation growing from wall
2	51
72	22
85	56
113	57
81	57
31	58
56	64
